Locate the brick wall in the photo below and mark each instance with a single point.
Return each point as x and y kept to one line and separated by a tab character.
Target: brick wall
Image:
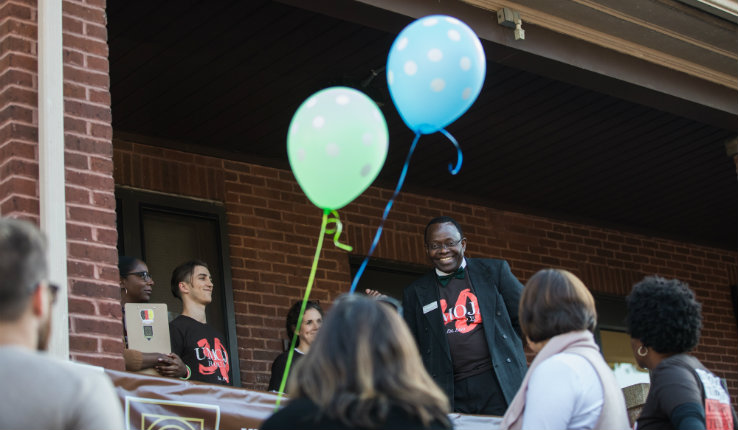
94	295
18	112
273	234
94	303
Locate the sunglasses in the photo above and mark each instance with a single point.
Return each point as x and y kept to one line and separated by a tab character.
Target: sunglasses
54	289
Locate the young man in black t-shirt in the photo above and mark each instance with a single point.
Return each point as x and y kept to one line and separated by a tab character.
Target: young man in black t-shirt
201	347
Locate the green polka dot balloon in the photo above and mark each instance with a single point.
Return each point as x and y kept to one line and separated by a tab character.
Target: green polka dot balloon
337	144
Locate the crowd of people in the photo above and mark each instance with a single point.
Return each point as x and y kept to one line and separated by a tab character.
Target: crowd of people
454	344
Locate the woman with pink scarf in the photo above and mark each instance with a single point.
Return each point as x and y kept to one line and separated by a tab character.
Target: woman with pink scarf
568	384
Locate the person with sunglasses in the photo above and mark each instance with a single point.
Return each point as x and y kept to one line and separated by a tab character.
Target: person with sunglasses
464	316
136	286
40	391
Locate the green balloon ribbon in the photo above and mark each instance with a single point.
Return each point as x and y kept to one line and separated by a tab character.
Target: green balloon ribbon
337	229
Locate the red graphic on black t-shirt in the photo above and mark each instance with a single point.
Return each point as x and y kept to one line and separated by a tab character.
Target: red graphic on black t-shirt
465	314
217	357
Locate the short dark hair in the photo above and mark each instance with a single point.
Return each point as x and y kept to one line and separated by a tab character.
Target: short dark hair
183	273
294	313
441	220
555	302
22	265
126	264
664	315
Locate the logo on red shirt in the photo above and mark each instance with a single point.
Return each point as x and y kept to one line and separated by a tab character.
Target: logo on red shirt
464	316
217	357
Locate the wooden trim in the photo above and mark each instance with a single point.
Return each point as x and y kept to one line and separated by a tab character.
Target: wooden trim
579	31
581	62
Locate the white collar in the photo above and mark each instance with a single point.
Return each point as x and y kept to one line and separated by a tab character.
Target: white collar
442	273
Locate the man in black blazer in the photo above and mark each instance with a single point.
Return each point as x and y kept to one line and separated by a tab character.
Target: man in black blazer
464	316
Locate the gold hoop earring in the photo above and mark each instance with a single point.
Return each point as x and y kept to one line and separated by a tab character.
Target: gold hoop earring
642	354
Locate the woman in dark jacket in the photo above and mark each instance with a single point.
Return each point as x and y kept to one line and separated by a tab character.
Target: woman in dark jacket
664	322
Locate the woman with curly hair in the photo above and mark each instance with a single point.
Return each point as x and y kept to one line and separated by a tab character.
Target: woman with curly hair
568	384
312	319
363	372
664	322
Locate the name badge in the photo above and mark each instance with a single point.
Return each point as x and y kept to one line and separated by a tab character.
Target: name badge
429	307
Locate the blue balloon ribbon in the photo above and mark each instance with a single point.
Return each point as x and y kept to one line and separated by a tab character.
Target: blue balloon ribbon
459	155
400	182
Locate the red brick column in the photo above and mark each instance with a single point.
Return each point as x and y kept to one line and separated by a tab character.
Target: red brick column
18	113
94	309
94	302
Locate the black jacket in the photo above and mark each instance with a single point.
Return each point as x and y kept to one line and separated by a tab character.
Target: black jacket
498	293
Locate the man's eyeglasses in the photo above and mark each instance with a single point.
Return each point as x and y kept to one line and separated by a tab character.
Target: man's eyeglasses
435	246
54	290
146	276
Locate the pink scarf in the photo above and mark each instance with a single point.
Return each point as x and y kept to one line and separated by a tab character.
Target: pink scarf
613	416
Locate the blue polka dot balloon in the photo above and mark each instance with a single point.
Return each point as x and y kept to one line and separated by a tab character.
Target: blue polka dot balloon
435	71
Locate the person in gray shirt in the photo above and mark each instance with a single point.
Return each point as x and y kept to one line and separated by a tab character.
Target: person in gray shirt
39	391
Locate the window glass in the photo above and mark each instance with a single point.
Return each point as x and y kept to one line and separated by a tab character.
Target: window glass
619	356
170	239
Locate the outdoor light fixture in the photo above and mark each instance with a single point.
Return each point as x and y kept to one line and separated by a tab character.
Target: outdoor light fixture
511	18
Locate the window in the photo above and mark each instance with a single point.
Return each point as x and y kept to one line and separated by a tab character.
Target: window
166	231
615	342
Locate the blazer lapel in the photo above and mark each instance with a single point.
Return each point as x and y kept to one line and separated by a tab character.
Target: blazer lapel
428	295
